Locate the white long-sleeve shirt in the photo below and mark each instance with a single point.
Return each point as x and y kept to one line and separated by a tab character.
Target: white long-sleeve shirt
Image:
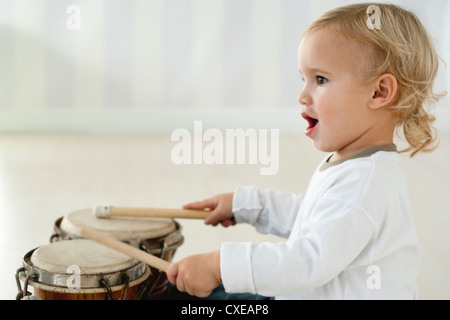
351	236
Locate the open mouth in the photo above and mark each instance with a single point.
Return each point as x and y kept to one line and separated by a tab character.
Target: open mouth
312	123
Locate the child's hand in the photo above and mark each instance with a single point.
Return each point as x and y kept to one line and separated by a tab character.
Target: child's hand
221	209
198	275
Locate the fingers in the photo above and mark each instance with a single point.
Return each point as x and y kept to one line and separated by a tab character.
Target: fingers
221	209
218	217
221	214
201	205
184	282
213	204
172	273
228	223
177	281
213	218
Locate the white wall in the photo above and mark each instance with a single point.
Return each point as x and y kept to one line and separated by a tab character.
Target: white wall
140	65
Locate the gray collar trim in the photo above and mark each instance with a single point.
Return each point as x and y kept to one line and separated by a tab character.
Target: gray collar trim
363	154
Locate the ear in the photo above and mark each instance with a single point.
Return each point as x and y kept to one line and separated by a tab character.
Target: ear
385	90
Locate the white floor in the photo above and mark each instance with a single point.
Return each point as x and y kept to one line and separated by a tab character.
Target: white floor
45	176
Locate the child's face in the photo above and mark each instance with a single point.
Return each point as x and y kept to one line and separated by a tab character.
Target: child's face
334	97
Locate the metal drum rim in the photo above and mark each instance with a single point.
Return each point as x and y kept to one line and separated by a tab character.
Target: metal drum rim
86	281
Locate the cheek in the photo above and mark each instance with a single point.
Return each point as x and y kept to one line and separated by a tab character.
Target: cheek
339	107
330	107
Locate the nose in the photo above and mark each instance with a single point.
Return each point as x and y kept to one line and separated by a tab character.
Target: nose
304	98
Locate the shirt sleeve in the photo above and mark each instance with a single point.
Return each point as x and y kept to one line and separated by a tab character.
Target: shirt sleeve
268	211
324	247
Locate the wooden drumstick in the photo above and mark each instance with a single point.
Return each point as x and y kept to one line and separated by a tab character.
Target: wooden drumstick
126	249
107	211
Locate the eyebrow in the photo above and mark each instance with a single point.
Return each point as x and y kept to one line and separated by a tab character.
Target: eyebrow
315	70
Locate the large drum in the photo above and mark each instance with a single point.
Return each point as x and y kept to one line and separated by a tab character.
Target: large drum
82	269
160	237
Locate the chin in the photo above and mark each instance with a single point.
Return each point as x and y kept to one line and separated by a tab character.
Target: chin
324	147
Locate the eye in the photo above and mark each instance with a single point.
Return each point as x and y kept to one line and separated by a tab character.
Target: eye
321	80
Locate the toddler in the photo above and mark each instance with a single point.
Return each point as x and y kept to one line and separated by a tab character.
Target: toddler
351	235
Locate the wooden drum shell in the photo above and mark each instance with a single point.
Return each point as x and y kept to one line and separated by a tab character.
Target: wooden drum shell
47	292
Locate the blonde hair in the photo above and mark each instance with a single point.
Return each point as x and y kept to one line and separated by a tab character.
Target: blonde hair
402	47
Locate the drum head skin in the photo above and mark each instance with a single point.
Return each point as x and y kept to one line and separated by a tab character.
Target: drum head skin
82	269
122	228
89	256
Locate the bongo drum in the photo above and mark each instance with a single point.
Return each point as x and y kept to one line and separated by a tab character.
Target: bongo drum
160	237
81	269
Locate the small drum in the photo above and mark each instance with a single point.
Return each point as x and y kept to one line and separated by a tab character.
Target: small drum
81	269
160	237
